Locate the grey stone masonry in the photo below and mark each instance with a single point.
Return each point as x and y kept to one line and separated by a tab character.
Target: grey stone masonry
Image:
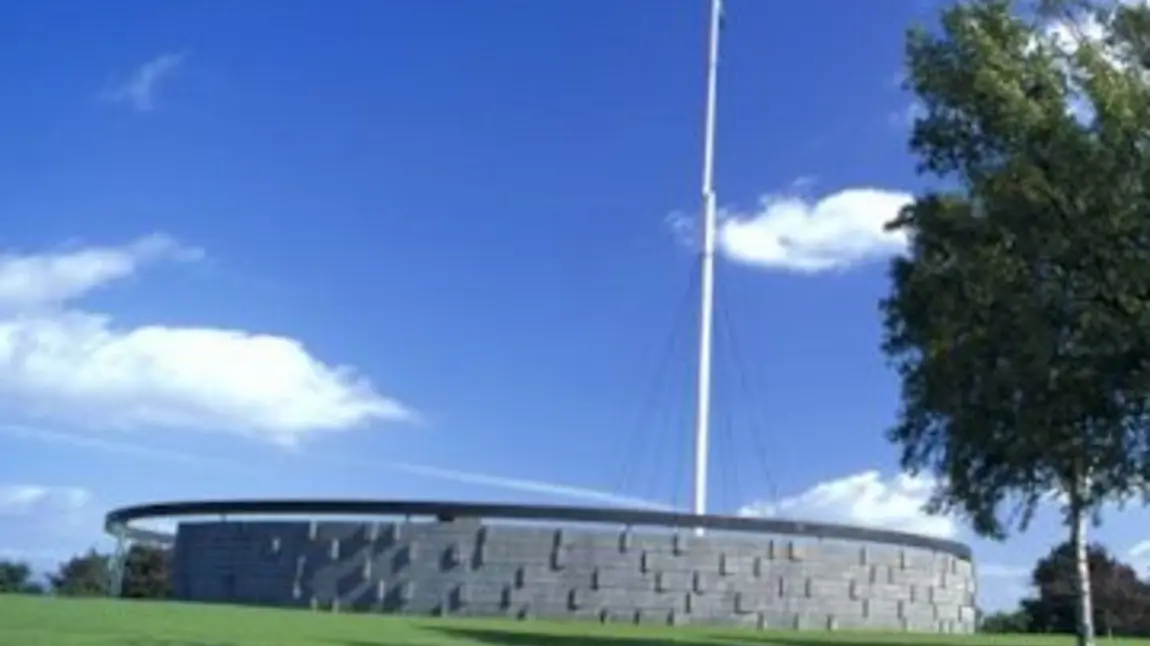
469	567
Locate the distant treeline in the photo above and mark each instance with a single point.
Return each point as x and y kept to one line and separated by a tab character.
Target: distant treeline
1121	597
146	575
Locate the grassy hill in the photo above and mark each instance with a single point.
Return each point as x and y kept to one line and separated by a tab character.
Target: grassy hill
46	621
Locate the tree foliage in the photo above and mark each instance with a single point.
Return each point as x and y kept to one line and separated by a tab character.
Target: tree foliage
147	573
1019	322
83	575
16	578
1122	598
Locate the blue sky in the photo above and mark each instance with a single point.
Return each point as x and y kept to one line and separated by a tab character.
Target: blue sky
438	249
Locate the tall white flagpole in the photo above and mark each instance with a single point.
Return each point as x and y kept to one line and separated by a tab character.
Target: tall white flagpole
707	305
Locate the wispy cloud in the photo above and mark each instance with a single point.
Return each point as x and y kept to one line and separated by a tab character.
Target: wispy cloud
139	90
20	498
139	451
905	117
40	522
114	447
527	486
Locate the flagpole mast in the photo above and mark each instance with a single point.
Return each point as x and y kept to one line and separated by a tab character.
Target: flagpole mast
707	268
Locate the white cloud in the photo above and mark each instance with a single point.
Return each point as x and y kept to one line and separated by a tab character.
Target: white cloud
1068	33
1139	557
1140	549
1065	34
796	234
43	525
905	118
865	499
24	499
33	280
61	363
139	90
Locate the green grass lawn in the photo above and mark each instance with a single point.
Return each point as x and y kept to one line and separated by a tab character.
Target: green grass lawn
35	621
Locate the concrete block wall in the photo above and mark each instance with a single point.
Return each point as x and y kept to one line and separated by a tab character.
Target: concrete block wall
471	568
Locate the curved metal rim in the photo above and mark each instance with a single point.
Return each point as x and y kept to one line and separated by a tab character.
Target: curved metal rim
118	521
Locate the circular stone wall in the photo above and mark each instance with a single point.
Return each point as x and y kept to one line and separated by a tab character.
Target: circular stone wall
460	564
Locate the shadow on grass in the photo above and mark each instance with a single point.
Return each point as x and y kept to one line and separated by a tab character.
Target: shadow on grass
820	638
147	641
495	637
692	636
531	638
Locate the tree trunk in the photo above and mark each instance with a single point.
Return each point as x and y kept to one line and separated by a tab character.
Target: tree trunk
1078	521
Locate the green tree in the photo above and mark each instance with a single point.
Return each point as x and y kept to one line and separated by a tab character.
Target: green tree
84	575
147	573
1019	321
1121	598
16	577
